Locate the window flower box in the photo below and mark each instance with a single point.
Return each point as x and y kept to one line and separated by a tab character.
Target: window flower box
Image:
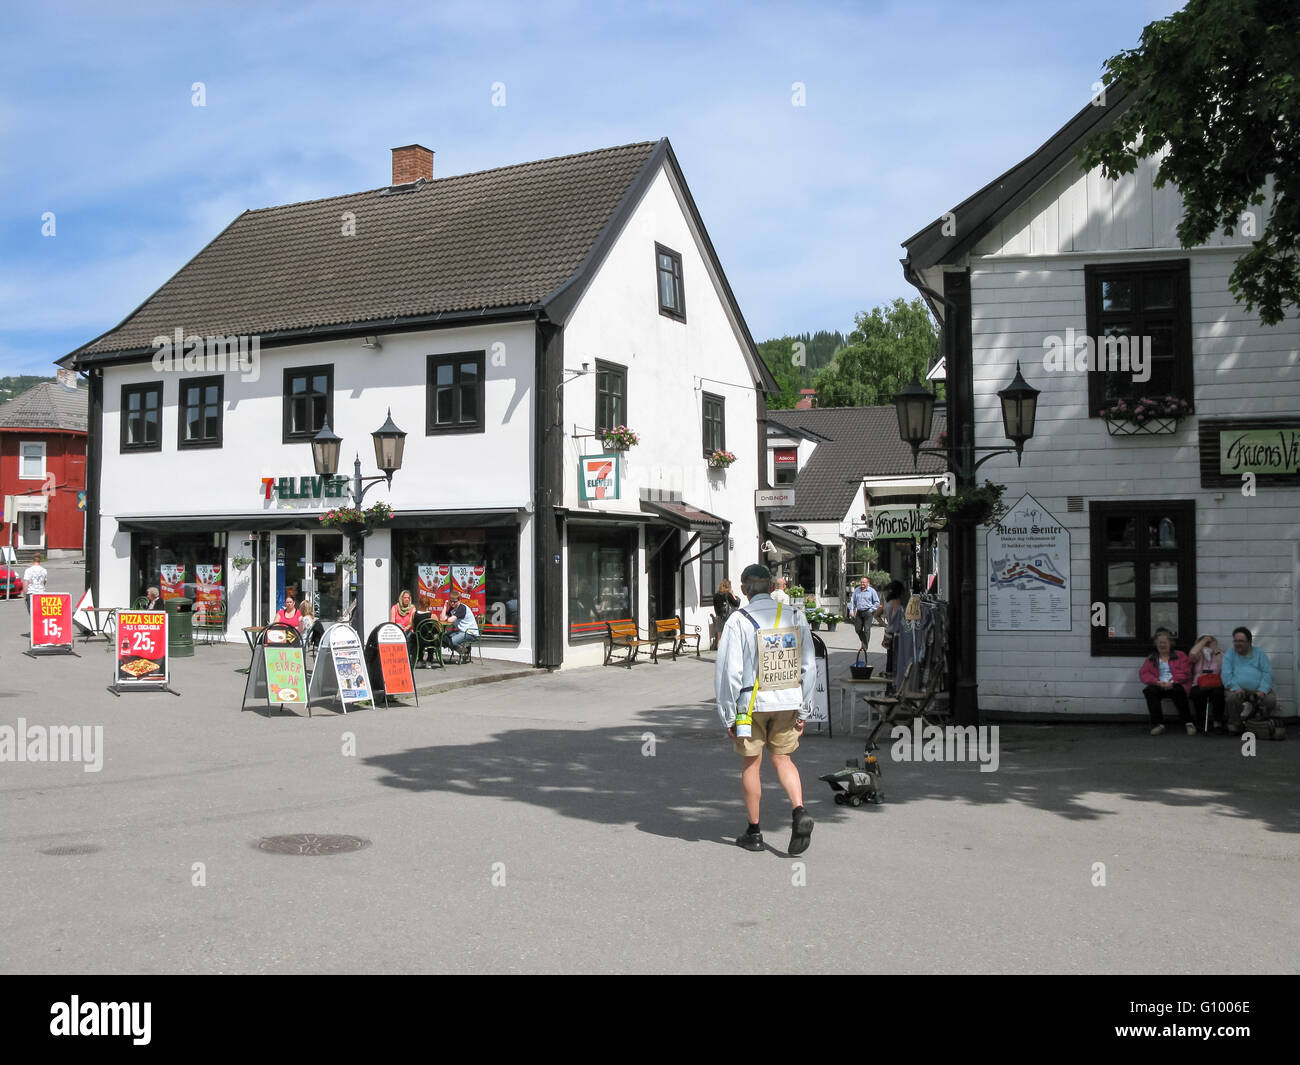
1145	416
620	438
720	460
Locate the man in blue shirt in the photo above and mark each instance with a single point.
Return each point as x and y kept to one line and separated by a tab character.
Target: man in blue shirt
1247	672
864	602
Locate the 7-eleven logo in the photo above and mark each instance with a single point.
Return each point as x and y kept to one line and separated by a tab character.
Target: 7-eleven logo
599	477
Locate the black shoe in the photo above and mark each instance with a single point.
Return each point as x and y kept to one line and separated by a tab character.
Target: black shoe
751	841
801	832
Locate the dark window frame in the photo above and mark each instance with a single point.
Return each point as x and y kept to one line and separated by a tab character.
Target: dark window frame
675	311
1184	554
142	390
708	564
1183	383
455	359
604	367
288	436
201	382
720	421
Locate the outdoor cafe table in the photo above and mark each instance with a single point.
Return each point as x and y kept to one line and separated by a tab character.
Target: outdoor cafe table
864	688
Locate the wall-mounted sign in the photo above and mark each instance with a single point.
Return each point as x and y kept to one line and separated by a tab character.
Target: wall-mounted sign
305	487
1259	451
785	456
35	504
1029	571
896	523
598	477
773	498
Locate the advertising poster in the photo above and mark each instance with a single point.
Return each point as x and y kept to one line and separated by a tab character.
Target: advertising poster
349	665
141	649
394	662
1029	571
432	589
471	581
172	584
51	621
286	675
207	609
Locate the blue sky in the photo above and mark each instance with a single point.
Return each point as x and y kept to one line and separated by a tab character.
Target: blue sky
909	109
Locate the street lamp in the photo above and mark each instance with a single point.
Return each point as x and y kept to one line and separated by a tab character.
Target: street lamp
390	443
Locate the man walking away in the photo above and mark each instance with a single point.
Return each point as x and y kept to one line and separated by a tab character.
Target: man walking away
765	677
34	578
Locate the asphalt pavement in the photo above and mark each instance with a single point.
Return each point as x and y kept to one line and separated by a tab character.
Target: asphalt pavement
582	821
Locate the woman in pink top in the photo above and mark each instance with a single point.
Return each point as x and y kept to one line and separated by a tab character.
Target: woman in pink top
403	612
1167	674
1207	693
288	614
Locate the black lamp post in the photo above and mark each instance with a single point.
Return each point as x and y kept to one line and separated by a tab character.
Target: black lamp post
915	406
390	443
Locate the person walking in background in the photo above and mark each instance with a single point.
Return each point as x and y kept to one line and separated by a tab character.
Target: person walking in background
890	613
764	678
1207	682
863	605
724	602
34	578
1247	673
1167	674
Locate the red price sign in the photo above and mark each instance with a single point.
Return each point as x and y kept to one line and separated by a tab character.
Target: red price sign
51	620
141	647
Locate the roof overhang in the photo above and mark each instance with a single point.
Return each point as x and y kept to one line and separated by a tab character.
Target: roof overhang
686	517
792	542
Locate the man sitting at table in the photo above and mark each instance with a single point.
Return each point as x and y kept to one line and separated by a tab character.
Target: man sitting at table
463	629
1247	673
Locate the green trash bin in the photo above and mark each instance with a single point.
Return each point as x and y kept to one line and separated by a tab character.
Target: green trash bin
180	628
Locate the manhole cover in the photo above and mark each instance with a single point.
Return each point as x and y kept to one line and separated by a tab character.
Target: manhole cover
72	848
310	843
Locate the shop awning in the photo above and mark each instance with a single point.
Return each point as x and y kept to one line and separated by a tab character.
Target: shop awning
686	517
792	541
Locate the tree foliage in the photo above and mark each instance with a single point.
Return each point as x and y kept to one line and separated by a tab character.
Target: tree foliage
1217	84
795	362
888	345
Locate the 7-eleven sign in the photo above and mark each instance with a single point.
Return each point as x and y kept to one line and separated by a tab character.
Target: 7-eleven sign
598	477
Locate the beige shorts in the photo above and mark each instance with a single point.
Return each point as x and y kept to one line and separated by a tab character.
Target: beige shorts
774	730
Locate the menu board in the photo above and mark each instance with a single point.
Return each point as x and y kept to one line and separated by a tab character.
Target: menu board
394	661
286	675
172	584
51	621
141	649
1029	571
349	664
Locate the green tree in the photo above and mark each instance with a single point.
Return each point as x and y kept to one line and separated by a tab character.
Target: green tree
880	355
1217	84
795	360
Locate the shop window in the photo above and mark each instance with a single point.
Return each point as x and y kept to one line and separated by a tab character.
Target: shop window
672	295
308	401
200	415
33	461
141	417
454	393
188	565
601	579
715	424
713	569
1144	306
1144	573
483	562
785	465
611	396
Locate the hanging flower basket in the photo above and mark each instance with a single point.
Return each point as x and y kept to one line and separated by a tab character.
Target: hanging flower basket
347	562
620	438
720	460
1145	416
980	505
241	562
353	522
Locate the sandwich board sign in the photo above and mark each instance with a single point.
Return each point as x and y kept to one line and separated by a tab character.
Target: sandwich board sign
340	669
277	673
394	661
51	624
140	662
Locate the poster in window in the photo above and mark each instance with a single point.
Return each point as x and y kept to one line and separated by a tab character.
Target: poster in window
172	584
207	609
1029	571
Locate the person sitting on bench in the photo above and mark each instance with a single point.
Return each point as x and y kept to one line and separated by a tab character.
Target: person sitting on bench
1167	674
1247	674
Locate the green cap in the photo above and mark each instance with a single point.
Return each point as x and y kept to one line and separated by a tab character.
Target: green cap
756	573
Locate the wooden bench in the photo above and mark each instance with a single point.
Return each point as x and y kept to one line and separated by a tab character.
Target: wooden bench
670	629
623	635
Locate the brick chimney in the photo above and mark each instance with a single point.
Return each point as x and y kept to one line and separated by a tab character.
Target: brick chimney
412	162
67	378
807	399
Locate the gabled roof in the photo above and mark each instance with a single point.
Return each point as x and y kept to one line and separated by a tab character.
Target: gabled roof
975	216
48	405
861	442
514	241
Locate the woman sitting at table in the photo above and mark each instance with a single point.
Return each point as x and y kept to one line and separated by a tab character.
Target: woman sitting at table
311	629
289	613
403	612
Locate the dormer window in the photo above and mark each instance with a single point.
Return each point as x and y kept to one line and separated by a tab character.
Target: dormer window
672	296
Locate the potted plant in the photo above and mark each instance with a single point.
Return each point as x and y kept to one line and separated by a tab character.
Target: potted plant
981	504
720	460
795	591
241	562
1145	415
379	513
620	438
350	520
815	618
347	562
832	620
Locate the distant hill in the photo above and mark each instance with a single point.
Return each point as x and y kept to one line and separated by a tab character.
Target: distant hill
795	367
10	387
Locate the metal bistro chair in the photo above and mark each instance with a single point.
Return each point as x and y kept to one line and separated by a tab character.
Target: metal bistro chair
428	637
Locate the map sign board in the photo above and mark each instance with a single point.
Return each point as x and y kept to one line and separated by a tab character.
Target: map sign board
1028	571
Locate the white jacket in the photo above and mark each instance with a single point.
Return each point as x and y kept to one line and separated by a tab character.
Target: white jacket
737	662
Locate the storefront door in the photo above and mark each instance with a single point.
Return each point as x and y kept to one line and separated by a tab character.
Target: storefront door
31	530
326	580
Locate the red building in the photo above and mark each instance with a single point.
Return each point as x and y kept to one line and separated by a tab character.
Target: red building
43	468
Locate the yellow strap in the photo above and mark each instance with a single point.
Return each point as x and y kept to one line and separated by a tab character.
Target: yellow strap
753	695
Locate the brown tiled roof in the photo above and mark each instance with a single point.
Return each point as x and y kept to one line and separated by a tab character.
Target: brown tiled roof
493	239
863	442
48	405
